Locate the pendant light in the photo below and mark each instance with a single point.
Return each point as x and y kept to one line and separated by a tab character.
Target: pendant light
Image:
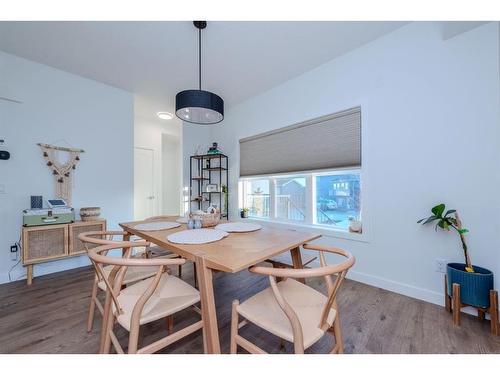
199	106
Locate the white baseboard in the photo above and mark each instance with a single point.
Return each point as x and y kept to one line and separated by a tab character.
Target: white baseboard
397	287
15	275
405	289
19	272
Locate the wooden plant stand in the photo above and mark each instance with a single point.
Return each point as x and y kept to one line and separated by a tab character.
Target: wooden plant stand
454	305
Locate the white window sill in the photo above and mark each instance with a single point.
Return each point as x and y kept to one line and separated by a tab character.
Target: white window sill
320	229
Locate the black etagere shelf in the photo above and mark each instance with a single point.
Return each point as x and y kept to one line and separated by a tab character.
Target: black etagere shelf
206	170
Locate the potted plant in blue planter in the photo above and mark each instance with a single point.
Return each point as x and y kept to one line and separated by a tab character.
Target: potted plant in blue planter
475	282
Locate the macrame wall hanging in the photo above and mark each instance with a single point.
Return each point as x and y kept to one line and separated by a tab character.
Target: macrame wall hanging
62	170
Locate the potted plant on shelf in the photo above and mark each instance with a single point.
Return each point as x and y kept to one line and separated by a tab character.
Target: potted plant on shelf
244	213
475	282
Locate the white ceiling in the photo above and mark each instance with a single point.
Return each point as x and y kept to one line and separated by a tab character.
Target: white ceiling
155	60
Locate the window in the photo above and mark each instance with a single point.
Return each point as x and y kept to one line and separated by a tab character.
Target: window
337	199
291	198
329	199
256	193
280	182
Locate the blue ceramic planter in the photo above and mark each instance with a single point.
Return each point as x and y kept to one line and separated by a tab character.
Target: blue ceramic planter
474	286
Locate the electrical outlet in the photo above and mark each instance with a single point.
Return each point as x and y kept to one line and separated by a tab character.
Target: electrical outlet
441	265
13	252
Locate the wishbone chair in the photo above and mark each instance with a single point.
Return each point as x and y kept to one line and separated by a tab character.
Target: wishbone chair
292	310
145	301
133	274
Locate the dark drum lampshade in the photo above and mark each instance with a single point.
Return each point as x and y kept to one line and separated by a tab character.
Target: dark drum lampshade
199	107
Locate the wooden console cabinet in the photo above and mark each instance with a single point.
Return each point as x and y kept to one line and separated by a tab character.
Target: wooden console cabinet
51	242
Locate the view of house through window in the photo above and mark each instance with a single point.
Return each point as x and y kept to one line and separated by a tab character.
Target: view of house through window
330	199
291	198
337	199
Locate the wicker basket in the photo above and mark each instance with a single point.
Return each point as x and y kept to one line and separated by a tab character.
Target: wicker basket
207	220
90	213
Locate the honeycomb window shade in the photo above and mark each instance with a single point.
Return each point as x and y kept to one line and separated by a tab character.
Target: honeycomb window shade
332	141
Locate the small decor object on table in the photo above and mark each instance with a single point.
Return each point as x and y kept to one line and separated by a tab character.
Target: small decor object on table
244	213
465	284
90	213
207	219
198	224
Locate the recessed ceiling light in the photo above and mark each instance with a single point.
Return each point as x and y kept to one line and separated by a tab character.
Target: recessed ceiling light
165	115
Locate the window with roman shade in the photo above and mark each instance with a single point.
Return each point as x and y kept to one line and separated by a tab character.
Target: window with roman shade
328	142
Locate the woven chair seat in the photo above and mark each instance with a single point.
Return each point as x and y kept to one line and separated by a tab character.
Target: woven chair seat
132	275
171	295
263	310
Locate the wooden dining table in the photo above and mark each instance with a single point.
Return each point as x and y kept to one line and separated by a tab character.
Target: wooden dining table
232	254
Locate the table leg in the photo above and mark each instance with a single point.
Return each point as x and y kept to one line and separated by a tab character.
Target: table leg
208	312
126	237
297	261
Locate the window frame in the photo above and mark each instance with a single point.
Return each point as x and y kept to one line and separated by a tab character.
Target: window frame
310	219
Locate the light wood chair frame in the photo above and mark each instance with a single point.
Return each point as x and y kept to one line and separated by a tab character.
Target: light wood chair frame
105	238
326	271
114	283
98	238
166	217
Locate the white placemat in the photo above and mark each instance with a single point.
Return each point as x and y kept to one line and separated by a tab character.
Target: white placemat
182	220
239	227
197	236
156	225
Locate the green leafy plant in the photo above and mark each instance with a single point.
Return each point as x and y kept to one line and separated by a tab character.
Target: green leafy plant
245	210
447	221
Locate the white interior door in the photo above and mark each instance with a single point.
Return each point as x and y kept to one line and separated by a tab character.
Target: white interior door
144	192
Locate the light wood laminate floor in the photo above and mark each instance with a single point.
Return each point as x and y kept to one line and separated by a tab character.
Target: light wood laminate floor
50	317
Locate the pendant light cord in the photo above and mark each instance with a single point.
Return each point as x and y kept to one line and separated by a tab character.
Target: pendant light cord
199	57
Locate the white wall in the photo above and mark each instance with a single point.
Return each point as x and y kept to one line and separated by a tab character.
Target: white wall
60	106
431	134
171	178
148	134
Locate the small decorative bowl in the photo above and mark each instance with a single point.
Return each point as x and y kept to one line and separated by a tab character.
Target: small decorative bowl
207	220
90	213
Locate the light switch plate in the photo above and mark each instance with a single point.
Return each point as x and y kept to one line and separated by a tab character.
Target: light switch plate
2	189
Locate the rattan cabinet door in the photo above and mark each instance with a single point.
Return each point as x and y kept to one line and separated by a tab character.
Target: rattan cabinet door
75	245
44	243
